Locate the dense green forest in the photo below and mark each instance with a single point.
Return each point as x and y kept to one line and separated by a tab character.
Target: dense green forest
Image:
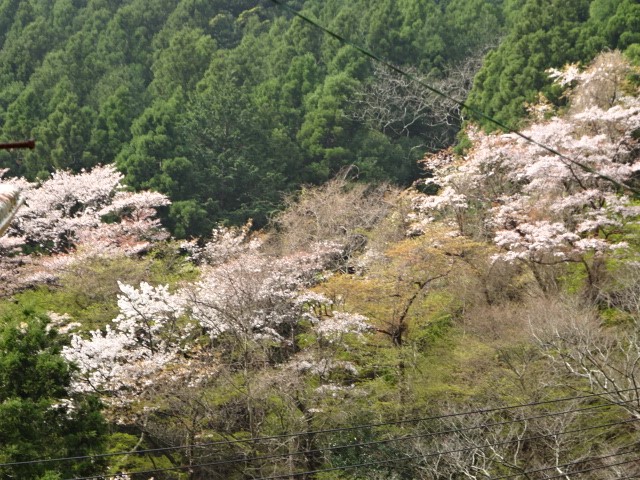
224	106
549	34
243	250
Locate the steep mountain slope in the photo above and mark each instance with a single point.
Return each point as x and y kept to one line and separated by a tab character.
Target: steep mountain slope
491	327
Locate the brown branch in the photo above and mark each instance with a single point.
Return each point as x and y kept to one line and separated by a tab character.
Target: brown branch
31	144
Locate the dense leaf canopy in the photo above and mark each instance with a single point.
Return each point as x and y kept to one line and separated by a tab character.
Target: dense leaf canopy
224	106
39	417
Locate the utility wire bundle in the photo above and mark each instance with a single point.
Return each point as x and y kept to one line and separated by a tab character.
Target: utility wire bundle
507	416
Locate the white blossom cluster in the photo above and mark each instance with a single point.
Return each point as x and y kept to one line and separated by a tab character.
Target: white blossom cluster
322	367
225	243
150	315
331	325
253	299
541	207
123	358
69	209
255	295
598	85
73	217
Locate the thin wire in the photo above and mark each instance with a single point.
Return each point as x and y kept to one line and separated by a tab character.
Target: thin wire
526	472
479	113
331	430
593	469
398	439
445	452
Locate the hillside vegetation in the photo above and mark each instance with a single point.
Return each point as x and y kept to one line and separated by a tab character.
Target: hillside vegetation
224	106
369	332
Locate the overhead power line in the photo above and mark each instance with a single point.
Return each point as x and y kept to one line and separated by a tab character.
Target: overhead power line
593	469
473	110
524	473
361	465
446	452
342	429
633	449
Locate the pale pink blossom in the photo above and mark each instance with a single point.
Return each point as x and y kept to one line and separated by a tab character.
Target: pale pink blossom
541	207
122	359
334	326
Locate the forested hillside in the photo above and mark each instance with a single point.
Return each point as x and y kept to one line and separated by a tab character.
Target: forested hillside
488	331
223	105
415	297
550	34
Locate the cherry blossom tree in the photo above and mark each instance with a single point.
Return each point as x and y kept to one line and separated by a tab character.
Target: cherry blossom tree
125	357
252	298
225	243
248	306
539	208
601	85
241	332
70	209
248	329
70	217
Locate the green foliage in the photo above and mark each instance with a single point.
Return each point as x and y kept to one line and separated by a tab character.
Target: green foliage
119	442
182	64
543	35
224	106
37	417
88	292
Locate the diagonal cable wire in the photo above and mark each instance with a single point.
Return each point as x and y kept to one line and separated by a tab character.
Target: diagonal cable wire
380	462
619	185
569	464
403	438
445	452
332	430
593	469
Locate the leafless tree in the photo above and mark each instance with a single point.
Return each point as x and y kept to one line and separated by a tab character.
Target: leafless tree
524	443
339	212
606	357
401	106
